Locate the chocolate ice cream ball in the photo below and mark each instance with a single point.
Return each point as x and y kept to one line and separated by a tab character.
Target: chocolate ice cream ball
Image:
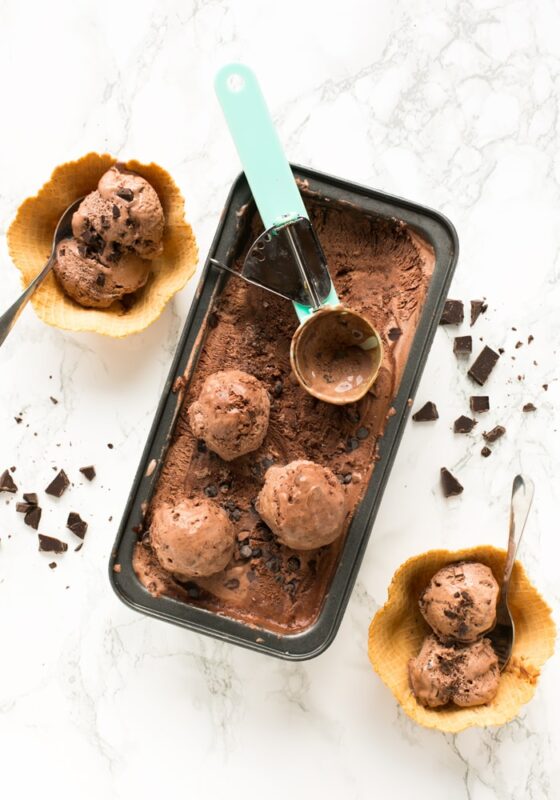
459	603
231	413
303	504
192	539
94	284
124	209
467	675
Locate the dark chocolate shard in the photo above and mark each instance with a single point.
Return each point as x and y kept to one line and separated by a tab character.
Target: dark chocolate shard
428	413
31	498
23	508
58	485
495	434
529	407
478	307
54	401
33	517
462	345
485	452
452	313
88	472
125	194
76	524
48	544
7	483
449	483
483	366
463	424
479	403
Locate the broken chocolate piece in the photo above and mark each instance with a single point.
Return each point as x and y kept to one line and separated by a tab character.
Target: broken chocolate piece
478	307
483	366
530	338
7	483
88	472
58	485
48	544
529	407
116	212
479	403
485	452
100	280
462	345
495	434
463	424
23	508
53	565
33	517
449	483
76	524
31	498
125	194
452	313
428	413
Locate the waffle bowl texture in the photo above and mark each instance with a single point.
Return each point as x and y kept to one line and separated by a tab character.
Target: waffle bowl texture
30	239
398	629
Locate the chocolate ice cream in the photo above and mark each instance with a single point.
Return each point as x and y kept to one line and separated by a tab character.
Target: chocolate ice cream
192	539
467	675
459	603
93	283
231	413
382	269
303	504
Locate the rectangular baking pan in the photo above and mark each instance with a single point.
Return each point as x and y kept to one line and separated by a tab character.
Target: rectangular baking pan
315	639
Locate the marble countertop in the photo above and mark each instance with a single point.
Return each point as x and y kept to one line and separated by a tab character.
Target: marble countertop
453	105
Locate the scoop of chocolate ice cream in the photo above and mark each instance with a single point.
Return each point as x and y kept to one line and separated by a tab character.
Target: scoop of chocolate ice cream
92	283
467	675
303	503
231	413
192	539
459	603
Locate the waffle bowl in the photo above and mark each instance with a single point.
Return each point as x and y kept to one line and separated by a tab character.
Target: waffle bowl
398	629
30	239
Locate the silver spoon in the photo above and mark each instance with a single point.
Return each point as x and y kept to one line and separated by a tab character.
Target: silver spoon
502	634
62	231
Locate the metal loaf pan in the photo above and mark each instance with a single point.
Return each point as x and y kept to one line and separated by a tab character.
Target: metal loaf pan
311	642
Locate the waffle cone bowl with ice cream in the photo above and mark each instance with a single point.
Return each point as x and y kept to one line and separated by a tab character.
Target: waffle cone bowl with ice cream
30	238
398	629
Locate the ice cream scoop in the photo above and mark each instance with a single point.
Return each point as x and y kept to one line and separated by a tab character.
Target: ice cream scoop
231	413
467	675
336	373
192	539
303	503
459	603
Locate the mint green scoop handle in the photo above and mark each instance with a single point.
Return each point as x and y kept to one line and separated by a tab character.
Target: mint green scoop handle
266	167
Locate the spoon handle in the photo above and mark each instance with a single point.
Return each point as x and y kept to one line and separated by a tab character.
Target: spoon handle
9	317
522	493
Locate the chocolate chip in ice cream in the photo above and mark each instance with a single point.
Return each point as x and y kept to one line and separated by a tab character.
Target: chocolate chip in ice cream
7	483
394	334
125	194
463	424
33	517
483	366
449	483
452	313
428	413
58	485
49	544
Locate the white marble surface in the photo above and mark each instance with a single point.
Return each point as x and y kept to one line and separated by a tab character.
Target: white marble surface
454	105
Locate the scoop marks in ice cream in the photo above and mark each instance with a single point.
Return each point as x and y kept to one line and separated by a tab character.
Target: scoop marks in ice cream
467	675
192	539
459	603
231	413
116	229
303	503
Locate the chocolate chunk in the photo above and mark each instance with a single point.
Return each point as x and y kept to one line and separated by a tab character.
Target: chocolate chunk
394	334
23	508
463	424
211	490
100	280
483	366
485	452
462	345
495	434
529	407
116	212
428	413
105	222
31	498
33	517
48	544
479	403
452	313
53	565
362	433
125	194
346	478
293	563
88	472
246	551
449	483
351	444
76	524
58	485
478	307
7	483
273	564
277	389
18	419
